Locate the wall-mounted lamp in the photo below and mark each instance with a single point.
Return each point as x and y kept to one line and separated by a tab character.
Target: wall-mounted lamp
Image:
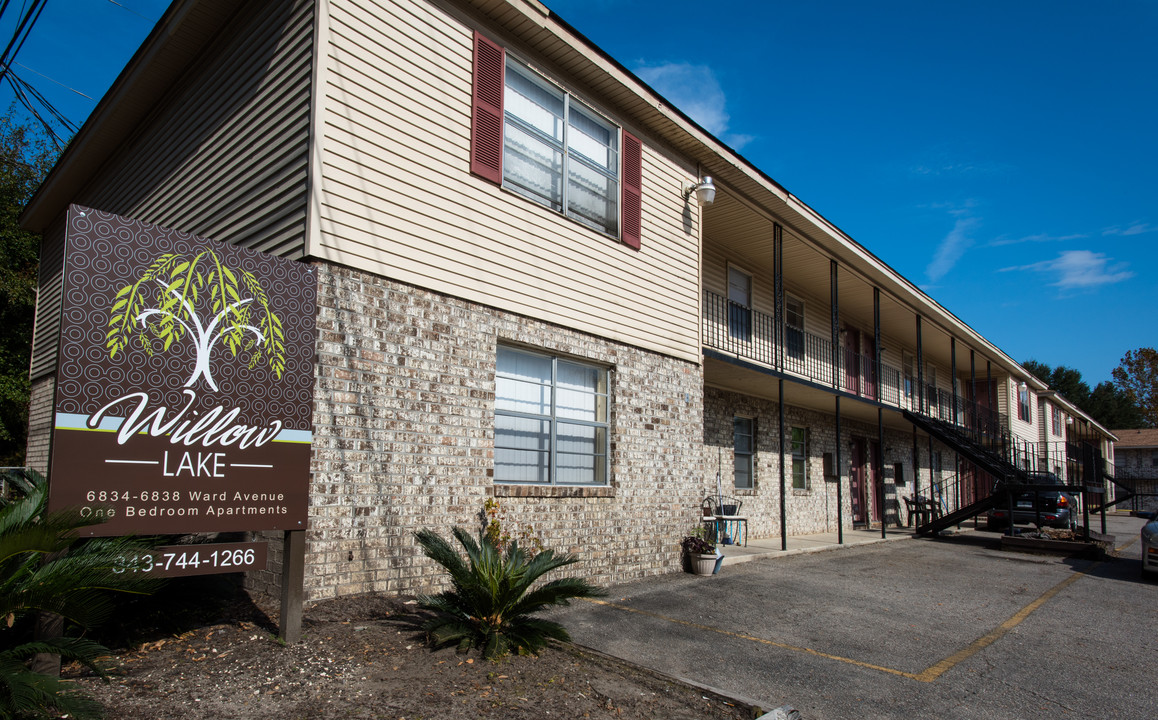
705	191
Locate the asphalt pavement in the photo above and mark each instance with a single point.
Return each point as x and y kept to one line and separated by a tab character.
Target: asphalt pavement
916	628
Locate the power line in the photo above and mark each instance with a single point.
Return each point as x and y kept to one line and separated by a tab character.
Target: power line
25	93
129	9
53	80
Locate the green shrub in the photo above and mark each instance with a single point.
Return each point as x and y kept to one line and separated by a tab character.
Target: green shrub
491	605
44	568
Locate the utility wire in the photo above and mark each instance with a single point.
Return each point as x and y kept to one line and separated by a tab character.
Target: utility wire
53	80
27	95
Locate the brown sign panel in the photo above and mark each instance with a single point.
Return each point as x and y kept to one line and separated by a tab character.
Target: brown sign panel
184	396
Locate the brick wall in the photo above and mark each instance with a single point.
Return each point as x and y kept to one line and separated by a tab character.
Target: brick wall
404	439
814	509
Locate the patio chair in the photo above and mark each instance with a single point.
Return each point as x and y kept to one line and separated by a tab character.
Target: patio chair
722	516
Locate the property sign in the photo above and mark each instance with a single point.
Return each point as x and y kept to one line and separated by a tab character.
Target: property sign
184	396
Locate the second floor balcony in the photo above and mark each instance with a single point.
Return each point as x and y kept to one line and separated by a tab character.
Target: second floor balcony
748	334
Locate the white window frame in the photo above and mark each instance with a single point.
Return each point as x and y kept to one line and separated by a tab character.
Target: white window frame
749	457
601	425
799	460
571	159
1023	399
740	311
796	353
908	375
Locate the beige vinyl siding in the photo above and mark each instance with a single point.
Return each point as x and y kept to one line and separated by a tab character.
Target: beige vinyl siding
397	198
49	302
225	156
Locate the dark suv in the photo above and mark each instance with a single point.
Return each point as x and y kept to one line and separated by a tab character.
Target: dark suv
1058	508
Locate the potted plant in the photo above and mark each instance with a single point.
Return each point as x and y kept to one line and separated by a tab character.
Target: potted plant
702	556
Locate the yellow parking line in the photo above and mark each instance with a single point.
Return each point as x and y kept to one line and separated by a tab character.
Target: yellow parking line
929	674
762	641
933	672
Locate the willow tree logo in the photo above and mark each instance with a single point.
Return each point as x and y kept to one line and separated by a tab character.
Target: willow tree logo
202	298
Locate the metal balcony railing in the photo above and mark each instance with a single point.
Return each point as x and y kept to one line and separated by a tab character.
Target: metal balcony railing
746	333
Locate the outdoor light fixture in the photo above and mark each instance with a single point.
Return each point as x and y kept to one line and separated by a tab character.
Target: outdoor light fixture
705	191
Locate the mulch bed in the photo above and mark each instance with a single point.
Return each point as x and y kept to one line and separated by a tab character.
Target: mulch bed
216	656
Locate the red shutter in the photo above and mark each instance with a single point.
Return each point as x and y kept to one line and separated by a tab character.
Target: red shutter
486	130
632	193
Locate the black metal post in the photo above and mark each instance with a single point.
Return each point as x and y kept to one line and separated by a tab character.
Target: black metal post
1100	478
880	469
920	370
834	304
953	376
916	465
783	506
839	479
778	291
973	387
877	346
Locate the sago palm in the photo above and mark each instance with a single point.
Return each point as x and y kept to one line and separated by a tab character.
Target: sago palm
491	604
44	569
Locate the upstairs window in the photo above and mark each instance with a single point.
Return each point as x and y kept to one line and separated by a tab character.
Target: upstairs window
1057	420
536	139
794	327
1023	402
909	374
739	304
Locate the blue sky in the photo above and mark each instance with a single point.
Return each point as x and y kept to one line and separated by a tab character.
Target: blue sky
1000	155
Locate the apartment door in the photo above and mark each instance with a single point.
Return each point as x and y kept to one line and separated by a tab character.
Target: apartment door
870	368
857	479
850	338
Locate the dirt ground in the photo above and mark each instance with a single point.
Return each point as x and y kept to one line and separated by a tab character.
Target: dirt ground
207	651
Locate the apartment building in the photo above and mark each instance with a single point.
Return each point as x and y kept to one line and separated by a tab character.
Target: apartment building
526	294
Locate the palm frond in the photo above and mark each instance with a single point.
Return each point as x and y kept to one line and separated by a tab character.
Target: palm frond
491	604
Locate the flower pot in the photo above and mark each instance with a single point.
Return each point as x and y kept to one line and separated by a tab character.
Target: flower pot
702	564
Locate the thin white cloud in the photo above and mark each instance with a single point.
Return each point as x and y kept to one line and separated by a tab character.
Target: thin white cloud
938	161
952	248
696	91
1138	228
1039	238
1079	269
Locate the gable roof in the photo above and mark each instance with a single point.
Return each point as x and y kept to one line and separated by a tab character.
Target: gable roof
1136	439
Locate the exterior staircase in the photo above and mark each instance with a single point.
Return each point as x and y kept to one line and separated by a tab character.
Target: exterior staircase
987	452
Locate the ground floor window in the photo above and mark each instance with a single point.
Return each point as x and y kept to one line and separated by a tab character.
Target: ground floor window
551	420
799	450
743	432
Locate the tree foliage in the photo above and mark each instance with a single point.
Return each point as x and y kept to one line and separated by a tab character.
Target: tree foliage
44	568
1108	404
1137	375
25	158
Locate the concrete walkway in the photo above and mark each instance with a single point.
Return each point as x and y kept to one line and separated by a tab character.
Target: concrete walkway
816	542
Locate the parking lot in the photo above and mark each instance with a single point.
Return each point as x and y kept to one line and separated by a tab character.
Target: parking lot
916	628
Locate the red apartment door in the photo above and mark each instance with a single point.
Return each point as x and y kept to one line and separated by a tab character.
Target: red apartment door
851	340
856	481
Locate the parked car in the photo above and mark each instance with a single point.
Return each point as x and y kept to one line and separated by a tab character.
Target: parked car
1150	545
1058	508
